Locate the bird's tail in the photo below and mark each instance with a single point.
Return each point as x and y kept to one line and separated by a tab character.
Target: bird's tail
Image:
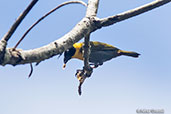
129	53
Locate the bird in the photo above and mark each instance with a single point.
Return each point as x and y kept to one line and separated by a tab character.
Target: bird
99	53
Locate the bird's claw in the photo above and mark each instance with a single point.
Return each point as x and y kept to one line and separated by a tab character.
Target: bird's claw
80	75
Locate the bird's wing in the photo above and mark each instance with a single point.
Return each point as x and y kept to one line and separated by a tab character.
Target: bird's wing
99	46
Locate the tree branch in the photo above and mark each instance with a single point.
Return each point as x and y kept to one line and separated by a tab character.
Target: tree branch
91	12
131	13
50	50
3	45
19	20
87	70
83	28
86	51
7	36
43	17
92	8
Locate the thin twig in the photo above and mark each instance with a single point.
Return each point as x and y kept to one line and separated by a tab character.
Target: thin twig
8	35
63	4
79	88
31	70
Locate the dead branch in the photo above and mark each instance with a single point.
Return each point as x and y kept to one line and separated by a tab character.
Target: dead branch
31	70
131	13
92	8
87	70
19	20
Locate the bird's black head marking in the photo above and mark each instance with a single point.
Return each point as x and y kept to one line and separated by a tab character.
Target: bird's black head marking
68	54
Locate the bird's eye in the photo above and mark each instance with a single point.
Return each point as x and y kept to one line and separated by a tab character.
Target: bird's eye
67	50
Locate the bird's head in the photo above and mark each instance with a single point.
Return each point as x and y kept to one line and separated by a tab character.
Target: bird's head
68	55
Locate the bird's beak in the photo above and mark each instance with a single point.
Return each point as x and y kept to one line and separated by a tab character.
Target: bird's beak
65	61
64	66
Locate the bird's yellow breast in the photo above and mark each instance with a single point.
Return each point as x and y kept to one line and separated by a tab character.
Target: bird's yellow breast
78	54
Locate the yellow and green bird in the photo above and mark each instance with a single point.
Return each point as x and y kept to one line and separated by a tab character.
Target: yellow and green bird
99	53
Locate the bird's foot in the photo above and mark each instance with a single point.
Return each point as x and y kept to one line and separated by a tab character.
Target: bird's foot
94	65
80	75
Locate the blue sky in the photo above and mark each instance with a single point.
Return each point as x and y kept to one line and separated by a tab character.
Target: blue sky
120	86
